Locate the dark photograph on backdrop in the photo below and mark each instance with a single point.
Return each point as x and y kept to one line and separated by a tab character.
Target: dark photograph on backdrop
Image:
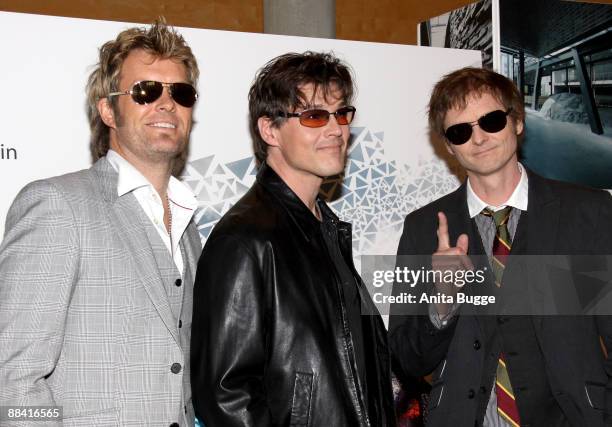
559	53
469	27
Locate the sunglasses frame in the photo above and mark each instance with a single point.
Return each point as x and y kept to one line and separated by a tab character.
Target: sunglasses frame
347	109
477	122
170	86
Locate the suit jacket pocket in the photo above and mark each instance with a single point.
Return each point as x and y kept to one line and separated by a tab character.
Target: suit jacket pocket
595	394
435	396
570	409
105	417
437	388
302	395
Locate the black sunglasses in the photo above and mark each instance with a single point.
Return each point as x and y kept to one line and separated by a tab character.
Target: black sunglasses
147	91
492	122
317	118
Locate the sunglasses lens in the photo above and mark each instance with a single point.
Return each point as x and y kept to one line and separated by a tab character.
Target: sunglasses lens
459	134
493	122
345	115
149	91
184	94
146	92
314	118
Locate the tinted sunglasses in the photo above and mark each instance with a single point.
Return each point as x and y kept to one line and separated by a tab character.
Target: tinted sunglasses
148	91
317	118
492	122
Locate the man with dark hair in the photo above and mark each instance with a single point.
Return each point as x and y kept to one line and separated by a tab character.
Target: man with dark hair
502	369
97	266
278	336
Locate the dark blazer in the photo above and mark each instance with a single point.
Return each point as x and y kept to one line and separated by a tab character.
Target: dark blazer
561	219
271	344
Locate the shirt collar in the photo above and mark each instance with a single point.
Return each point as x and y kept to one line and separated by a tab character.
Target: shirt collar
518	199
130	179
181	195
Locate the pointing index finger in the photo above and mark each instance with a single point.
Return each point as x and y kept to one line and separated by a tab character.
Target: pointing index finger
443	239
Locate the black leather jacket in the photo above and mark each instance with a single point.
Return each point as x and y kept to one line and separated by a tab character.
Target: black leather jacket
270	339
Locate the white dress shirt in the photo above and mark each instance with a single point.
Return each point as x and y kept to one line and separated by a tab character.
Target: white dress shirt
181	200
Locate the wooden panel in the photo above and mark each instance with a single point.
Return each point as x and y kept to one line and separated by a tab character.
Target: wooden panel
237	15
388	21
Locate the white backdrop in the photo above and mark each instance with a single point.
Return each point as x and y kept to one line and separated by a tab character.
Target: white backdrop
391	169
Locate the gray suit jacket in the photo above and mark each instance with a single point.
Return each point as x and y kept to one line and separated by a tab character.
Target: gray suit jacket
85	321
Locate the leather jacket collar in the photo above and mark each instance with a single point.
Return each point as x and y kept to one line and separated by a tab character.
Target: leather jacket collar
296	209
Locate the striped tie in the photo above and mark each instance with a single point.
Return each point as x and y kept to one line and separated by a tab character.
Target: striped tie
506	405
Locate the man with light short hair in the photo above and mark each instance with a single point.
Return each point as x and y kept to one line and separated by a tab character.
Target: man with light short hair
97	266
505	368
278	336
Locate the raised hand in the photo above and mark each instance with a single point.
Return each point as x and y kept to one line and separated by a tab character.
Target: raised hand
449	258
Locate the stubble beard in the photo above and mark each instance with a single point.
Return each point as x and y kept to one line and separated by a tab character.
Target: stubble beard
148	149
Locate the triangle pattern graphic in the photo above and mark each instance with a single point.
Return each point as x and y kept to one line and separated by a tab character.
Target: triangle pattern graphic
202	165
239	167
374	194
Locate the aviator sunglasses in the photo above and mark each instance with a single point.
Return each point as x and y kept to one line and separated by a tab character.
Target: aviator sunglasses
147	91
317	118
492	122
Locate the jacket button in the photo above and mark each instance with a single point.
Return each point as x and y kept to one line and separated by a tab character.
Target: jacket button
471	394
180	323
476	345
483	390
174	425
178	283
175	368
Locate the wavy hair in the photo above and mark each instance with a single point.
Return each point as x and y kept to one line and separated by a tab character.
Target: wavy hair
277	88
159	40
454	89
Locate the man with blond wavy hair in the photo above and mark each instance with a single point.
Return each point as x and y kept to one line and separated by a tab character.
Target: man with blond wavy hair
97	266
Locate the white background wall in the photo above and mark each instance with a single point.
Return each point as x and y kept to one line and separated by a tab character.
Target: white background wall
46	61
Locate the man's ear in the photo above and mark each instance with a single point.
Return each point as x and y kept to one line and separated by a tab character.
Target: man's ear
267	131
106	113
448	147
518	125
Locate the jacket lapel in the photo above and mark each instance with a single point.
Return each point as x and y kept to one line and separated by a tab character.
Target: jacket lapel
542	228
127	217
543	218
193	247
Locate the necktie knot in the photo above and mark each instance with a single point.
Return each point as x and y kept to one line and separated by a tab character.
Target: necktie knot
500	217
